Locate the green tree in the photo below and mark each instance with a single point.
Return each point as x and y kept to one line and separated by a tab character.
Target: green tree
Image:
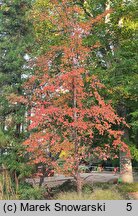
115	63
16	36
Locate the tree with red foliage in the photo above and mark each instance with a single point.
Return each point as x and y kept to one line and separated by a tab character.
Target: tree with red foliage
67	108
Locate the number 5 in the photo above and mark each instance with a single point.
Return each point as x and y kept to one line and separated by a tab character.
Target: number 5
129	207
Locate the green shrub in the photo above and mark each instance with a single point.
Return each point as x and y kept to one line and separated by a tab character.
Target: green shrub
30	193
88	188
27	192
128	187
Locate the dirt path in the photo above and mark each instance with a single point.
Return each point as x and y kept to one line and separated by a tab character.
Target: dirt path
87	177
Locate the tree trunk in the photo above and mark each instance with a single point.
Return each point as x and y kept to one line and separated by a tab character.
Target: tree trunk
16	182
79	183
17	132
126	173
107	7
76	144
42	177
125	161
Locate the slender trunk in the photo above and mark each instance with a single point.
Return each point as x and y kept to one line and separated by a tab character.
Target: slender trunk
107	7
77	174
16	182
18	129
2	123
79	184
28	115
41	181
43	176
22	127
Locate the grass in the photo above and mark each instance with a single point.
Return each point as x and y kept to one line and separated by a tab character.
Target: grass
7	190
97	194
96	191
128	187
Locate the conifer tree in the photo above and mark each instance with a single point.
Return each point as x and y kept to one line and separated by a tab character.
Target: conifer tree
15	41
15	48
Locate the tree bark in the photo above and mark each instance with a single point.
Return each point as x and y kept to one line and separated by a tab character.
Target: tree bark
125	161
17	132
126	173
76	144
79	183
42	177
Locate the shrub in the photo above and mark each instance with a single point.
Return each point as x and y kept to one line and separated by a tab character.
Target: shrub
128	187
88	188
31	193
